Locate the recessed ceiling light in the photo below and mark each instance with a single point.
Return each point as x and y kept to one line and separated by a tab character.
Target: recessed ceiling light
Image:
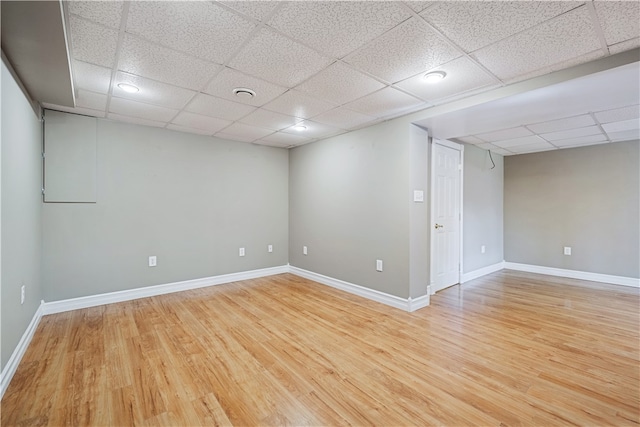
128	88
300	128
434	76
243	92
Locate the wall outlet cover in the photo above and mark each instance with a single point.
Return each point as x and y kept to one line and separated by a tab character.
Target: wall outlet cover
567	250
153	261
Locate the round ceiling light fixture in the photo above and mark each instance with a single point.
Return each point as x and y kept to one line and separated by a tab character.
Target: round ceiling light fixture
300	128
434	76
243	92
128	88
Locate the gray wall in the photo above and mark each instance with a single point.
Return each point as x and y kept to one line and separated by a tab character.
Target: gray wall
21	222
190	200
419	229
483	209
349	204
586	198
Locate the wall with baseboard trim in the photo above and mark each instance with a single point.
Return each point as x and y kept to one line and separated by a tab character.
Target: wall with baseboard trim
574	274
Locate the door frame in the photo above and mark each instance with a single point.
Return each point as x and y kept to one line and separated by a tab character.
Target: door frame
460	148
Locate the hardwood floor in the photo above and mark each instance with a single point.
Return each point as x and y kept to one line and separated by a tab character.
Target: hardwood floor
510	348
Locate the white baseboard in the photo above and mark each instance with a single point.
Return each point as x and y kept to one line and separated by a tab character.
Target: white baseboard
150	291
574	274
481	272
420	302
13	362
406	304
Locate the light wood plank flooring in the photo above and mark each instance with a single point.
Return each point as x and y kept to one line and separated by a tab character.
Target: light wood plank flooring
507	349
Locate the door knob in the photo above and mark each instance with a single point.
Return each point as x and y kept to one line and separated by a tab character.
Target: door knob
439	226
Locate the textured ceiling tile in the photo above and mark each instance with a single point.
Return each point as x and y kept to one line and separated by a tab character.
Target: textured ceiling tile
567	36
255	9
286	139
314	130
532	148
419	6
344	119
572	133
475	24
107	13
277	59
92	43
582	140
488	146
620	20
587	57
470	140
246	132
223	84
135	120
526	140
462	76
200	28
269	119
127	107
91	77
501	151
562	124
337	27
621	126
152	92
271	144
339	84
198	121
92	100
410	48
625	135
624	46
218	107
387	102
298	104
505	134
619	114
145	59
186	129
77	110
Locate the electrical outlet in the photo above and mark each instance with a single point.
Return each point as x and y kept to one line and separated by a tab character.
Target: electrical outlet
378	265
241	252
270	248
304	250
567	250
153	261
483	249
22	293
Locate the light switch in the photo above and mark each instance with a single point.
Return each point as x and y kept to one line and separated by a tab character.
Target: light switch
378	265
418	196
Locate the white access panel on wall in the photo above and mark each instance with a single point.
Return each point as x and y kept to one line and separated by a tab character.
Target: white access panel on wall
69	158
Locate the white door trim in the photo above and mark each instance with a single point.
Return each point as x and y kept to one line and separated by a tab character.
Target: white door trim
460	148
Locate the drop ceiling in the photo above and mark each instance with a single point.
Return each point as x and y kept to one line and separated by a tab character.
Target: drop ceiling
335	66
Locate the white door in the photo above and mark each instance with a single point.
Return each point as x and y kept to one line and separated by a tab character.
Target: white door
446	169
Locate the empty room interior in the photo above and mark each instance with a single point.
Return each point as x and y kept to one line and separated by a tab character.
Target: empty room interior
320	213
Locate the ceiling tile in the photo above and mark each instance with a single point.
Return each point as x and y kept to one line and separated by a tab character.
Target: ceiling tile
285	139
582	140
298	104
410	48
621	126
77	110
255	9
385	103
587	57
336	28
572	133
186	129
619	114
560	39
562	124
501	151
217	107
624	46
92	43
625	135
532	148
462	76
107	13
269	119
92	100
271	144
475	24
620	20
200	28
198	121
277	59
91	77
344	118
339	84
314	130
526	140
146	59
223	84
242	132
135	120
505	134
470	140
152	92
127	107
419	6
